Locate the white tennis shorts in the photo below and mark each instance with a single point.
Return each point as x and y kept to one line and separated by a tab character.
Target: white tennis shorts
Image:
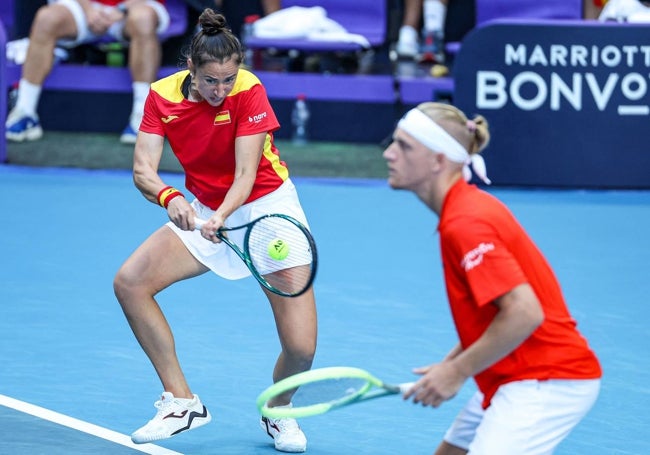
219	257
527	417
116	30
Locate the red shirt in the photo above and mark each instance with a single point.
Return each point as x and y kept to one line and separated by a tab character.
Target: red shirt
485	254
203	137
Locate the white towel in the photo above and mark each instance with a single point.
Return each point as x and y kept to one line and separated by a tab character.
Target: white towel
298	22
632	11
17	51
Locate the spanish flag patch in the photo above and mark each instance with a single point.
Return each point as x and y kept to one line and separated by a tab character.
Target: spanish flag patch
222	118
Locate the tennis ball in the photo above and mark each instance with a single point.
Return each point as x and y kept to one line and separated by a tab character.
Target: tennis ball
278	249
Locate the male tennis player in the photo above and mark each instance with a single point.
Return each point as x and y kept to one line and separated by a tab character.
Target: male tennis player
536	375
219	123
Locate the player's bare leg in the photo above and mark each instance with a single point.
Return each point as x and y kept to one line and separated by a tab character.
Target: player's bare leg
136	284
296	322
160	261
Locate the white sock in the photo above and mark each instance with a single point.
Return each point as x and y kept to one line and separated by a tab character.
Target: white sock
28	96
140	92
434	15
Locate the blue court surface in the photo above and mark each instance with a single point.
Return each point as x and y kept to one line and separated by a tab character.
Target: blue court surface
73	380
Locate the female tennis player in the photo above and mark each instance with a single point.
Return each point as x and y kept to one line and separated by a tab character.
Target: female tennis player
219	124
536	375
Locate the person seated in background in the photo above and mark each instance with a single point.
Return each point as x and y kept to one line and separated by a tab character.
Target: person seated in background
69	23
429	25
433	12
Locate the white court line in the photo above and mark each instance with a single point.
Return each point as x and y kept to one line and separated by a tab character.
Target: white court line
85	427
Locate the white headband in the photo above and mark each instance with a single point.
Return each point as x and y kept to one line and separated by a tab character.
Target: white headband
434	137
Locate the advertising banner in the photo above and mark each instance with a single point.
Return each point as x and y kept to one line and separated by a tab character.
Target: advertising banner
568	102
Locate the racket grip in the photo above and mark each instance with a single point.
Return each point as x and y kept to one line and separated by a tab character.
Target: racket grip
198	223
403	388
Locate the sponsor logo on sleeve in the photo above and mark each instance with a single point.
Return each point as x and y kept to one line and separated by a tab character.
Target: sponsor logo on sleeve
169	118
474	257
257	118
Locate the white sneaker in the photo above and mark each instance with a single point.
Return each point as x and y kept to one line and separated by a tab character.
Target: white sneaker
407	43
174	416
287	435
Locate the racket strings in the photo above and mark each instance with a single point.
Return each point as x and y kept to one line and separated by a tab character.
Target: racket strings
290	272
334	391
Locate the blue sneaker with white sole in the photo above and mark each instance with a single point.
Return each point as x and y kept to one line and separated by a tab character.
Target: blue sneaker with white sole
21	127
129	135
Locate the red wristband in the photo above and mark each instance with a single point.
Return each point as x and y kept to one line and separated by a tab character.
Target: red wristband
161	192
171	196
167	194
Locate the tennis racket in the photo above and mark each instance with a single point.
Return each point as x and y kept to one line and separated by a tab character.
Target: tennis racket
279	251
324	389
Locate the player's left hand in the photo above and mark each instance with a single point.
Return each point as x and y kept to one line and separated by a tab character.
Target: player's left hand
439	383
210	228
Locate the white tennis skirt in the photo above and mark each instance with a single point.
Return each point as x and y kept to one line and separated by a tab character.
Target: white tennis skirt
219	257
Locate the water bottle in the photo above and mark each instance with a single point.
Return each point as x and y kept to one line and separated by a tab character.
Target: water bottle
432	33
114	55
299	120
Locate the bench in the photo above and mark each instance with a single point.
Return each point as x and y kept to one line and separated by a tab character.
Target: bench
414	90
98	78
368	92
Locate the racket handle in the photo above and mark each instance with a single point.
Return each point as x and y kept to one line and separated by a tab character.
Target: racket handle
403	388
198	223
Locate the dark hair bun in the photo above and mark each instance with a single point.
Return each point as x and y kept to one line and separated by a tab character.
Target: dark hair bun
212	23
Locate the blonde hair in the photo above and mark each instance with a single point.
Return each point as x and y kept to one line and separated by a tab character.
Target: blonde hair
472	134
